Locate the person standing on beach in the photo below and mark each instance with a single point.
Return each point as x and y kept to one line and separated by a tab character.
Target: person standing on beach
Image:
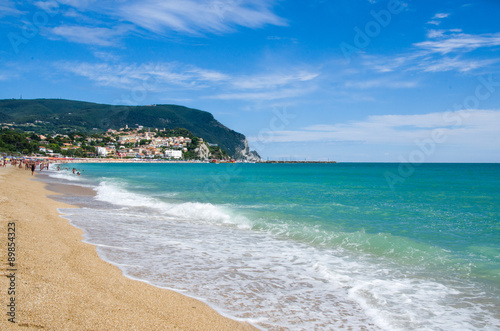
32	168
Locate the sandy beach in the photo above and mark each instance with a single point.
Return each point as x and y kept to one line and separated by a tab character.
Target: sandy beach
57	282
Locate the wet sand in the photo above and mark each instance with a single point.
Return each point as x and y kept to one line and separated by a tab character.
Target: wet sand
60	283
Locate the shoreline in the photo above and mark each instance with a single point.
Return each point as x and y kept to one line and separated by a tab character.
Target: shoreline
61	283
63	161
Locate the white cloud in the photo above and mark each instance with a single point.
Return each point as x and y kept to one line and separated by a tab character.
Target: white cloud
292	40
477	127
267	87
80	4
195	17
80	17
381	83
208	75
108	57
436	18
11	71
449	64
157	77
423	62
284	93
459	42
8	8
433	55
441	15
154	76
198	17
47	6
389	64
89	35
273	80
432	34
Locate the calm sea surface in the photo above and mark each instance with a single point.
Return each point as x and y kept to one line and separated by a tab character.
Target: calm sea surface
306	246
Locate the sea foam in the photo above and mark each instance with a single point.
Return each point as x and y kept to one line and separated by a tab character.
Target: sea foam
257	276
201	212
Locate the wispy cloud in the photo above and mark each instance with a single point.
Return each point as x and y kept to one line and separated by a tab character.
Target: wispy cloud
455	64
88	35
208	75
272	86
432	33
161	76
459	42
47	6
480	127
441	15
285	93
199	17
445	50
273	80
436	19
80	4
194	17
106	56
381	83
10	71
8	8
276	38
128	76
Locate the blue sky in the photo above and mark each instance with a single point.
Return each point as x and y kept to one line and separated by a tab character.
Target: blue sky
360	80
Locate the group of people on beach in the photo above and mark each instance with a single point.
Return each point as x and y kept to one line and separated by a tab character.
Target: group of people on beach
30	164
27	163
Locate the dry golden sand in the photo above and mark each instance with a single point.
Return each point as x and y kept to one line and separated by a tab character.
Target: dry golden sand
62	284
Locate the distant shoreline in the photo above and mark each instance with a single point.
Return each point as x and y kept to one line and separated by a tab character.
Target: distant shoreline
181	161
95	160
291	162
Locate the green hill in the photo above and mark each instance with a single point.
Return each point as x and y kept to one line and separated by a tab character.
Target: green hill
48	116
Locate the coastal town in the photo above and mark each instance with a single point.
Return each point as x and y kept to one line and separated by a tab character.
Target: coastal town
124	143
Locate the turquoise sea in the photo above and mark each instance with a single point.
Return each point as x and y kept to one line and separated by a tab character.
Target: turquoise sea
306	246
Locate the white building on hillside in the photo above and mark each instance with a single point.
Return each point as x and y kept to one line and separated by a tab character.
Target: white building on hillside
101	151
173	154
